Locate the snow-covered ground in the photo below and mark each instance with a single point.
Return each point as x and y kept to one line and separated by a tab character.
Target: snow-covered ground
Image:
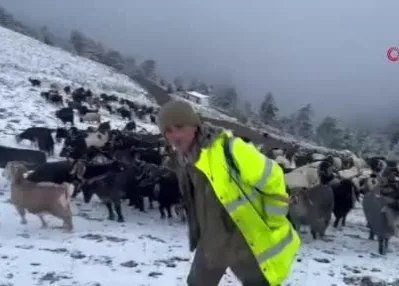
21	105
145	250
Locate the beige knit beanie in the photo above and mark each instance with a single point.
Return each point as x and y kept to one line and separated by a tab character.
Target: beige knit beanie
177	112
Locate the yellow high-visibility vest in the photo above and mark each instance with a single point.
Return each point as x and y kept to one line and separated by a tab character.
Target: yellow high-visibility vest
256	201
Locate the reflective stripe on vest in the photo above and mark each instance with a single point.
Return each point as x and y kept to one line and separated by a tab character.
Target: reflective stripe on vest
269	253
256	190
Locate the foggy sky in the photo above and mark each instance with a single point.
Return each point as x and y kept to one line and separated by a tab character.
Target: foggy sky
328	53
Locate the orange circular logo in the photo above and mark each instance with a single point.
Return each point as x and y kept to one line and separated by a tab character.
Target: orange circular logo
393	54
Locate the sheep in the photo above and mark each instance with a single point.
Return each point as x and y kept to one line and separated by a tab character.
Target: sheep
39	198
91	117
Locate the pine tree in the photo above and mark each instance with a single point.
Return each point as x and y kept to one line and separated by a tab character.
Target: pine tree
326	132
130	66
87	47
78	41
8	21
268	109
114	59
247	108
47	36
179	84
170	89
225	98
148	69
304	121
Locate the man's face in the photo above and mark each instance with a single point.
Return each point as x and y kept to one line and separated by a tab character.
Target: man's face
181	137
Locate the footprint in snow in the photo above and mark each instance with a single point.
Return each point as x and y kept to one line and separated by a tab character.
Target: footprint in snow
101	238
53	277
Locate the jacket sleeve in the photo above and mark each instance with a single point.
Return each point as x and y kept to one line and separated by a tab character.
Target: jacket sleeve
263	174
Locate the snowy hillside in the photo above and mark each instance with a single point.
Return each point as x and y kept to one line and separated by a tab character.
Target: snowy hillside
206	111
21	105
30	57
145	250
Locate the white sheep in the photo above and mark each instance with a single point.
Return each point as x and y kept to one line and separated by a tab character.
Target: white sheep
91	117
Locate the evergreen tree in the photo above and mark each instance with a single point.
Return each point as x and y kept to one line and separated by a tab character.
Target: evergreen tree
179	84
87	47
148	69
327	131
170	88
268	109
304	121
114	59
130	66
8	21
47	36
247	109
225	98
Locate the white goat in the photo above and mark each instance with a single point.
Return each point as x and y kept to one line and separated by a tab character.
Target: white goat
91	117
96	139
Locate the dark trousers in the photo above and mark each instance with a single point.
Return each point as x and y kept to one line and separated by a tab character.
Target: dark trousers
202	275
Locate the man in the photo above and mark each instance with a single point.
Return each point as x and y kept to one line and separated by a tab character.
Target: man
236	202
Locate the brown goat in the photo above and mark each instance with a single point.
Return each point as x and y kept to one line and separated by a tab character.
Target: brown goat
39	198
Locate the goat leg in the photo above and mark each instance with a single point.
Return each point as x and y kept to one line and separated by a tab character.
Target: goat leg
344	220
76	190
44	223
161	210
118	210
75	193
382	246
336	222
131	200
314	235
169	212
67	219
386	242
371	234
22	213
111	215
151	201
140	203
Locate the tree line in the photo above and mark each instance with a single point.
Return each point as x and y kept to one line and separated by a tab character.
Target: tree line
329	132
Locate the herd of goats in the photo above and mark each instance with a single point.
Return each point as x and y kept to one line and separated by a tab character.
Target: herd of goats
128	164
